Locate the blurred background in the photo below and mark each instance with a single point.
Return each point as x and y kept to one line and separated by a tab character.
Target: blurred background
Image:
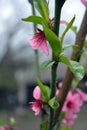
17	59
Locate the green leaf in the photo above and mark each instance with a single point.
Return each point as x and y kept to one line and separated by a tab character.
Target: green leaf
85	44
74	29
43	126
53	40
79	54
45	90
67	28
53	103
68	46
64	60
2	121
75	67
34	19
42	7
47	64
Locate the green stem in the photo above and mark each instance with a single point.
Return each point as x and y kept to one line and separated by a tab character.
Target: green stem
37	63
36	51
54	66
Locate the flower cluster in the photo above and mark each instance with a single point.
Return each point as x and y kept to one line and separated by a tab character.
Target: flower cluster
71	107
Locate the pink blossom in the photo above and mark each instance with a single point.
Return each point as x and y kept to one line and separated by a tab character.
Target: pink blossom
39	41
84	2
63	21
37	106
69	119
72	103
82	96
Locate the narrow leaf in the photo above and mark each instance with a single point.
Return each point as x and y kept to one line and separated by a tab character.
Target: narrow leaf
34	19
45	90
47	64
67	28
53	40
42	7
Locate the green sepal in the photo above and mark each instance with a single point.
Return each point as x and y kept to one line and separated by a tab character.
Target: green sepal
34	19
53	103
75	67
42	7
47	64
67	28
53	40
45	90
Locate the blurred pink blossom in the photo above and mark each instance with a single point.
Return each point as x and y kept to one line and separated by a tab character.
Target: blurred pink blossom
37	106
60	84
84	2
82	96
39	41
85	83
69	119
72	105
63	21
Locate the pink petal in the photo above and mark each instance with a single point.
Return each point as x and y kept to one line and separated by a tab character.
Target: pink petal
34	43
37	93
84	2
44	47
83	96
62	21
60	84
36	110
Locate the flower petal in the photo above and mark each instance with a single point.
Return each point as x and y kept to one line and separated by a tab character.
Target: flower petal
44	47
37	93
